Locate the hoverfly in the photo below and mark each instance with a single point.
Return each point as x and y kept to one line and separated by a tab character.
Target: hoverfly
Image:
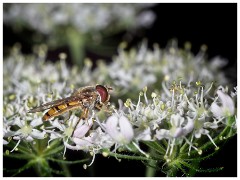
85	98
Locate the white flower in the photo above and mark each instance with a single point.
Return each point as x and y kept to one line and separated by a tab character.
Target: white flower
226	109
144	135
27	131
66	130
120	129
96	139
7	132
178	129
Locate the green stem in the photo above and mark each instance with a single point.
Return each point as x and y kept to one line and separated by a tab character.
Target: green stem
76	42
150	171
42	168
132	157
191	171
65	169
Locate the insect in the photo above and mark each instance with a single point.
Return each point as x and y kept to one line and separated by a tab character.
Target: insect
85	98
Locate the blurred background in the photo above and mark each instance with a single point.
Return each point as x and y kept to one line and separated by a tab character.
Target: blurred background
71	29
214	25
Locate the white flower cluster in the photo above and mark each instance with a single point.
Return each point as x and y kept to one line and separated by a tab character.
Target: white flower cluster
181	112
137	68
86	18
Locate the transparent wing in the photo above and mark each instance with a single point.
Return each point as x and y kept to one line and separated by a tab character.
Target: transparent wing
54	103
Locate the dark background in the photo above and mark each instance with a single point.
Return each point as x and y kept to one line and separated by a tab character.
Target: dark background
212	24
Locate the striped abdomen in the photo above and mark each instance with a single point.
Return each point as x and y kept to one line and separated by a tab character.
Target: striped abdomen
60	109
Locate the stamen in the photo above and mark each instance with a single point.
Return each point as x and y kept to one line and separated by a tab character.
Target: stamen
172	104
141	151
97	121
191	145
206	92
202	97
92	159
65	147
212	140
115	149
139	99
180	84
16	145
167	148
145	95
220	120
190	104
172	145
166	89
197	100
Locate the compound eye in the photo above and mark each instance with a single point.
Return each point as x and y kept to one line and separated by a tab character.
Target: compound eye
103	92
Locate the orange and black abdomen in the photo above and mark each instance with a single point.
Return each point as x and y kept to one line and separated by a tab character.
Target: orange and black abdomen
60	109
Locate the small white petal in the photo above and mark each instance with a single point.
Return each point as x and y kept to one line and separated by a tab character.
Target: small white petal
111	127
227	102
18	122
71	147
120	129
211	125
55	135
57	124
38	134
74	120
176	120
144	135
189	126
198	134
126	128
82	142
162	133
216	110
5	142
81	131
178	132
29	138
36	122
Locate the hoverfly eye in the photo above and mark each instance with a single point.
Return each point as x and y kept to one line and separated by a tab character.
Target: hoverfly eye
103	92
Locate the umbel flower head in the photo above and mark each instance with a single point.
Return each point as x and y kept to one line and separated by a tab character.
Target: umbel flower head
139	67
178	121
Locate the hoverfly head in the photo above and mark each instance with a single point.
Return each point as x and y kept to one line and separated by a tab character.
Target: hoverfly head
104	92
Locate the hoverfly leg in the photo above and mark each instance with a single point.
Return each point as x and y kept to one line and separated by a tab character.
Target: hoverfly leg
99	106
104	107
84	115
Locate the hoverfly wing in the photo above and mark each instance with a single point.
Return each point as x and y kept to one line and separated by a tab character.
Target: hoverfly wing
53	104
